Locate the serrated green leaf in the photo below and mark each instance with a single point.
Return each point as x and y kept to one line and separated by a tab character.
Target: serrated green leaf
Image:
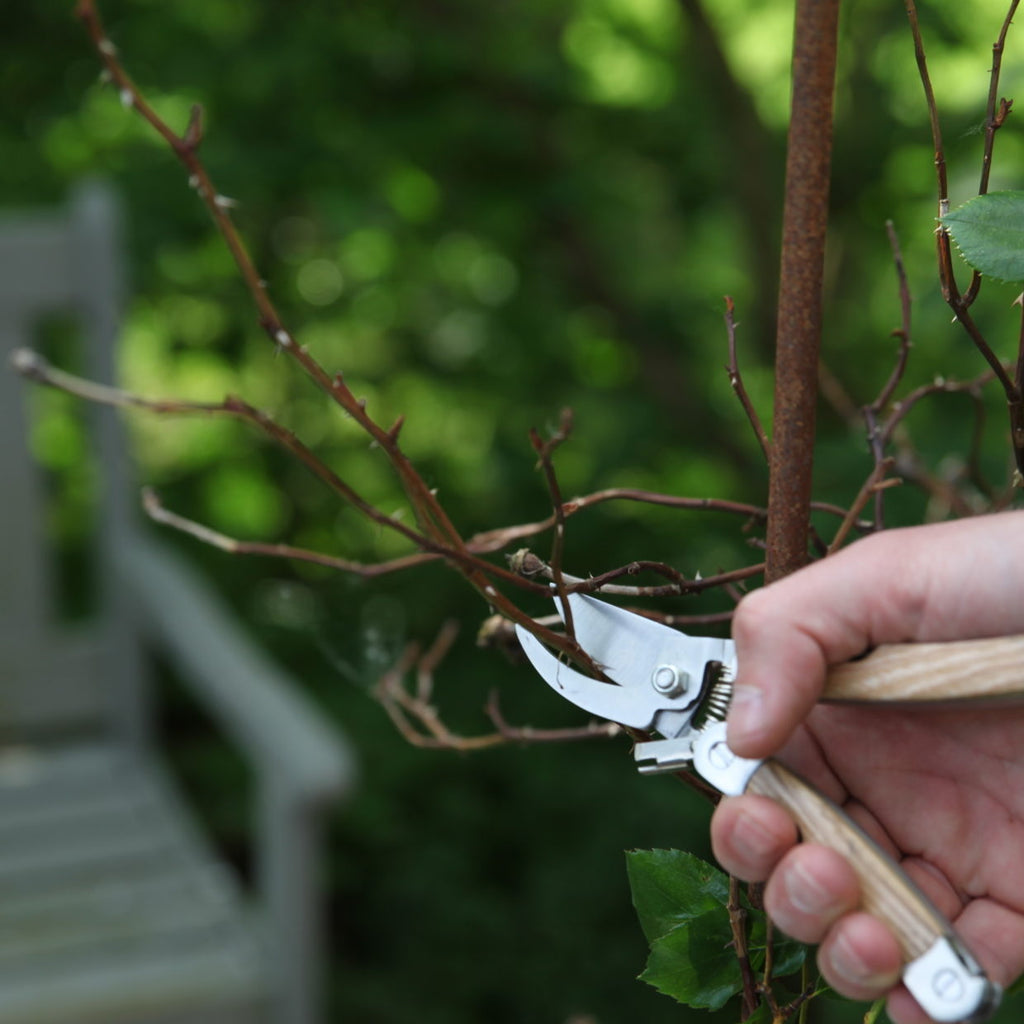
989	232
671	887
787	954
695	962
681	902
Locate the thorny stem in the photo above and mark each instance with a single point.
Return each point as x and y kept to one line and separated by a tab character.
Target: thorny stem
872	487
420	724
902	408
528	564
33	366
36	368
872	412
545	451
159	514
903	332
738	923
736	380
802	1001
996	113
798	339
430	514
960	303
933	110
493	540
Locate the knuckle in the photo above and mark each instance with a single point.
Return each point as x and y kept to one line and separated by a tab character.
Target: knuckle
754	616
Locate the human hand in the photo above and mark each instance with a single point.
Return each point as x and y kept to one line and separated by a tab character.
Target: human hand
941	790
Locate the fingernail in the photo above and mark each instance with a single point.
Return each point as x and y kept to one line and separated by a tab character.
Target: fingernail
746	713
751	840
805	890
848	965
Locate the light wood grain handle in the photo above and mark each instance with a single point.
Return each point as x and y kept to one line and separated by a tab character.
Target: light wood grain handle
939	971
988	671
886	892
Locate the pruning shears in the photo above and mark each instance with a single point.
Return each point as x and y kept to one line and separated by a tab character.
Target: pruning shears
679	686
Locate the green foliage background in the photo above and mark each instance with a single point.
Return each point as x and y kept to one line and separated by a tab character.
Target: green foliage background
482	213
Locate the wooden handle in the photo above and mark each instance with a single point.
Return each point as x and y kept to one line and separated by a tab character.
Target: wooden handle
885	891
938	970
990	670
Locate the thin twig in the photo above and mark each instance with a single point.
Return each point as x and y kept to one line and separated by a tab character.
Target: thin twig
736	380
526	563
875	483
902	408
430	515
933	109
501	537
957	302
872	412
545	451
420	723
738	924
903	332
996	112
33	366
525	734
160	514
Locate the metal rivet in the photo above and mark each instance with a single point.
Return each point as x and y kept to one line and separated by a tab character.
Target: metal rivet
720	756
667	679
948	985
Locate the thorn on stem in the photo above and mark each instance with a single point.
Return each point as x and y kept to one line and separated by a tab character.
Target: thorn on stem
194	130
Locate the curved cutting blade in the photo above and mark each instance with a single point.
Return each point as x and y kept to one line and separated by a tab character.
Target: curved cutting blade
630	647
621	704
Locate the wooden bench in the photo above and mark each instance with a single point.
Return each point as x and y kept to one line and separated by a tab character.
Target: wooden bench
113	908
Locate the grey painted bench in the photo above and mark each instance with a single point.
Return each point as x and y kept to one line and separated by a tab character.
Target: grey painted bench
112	907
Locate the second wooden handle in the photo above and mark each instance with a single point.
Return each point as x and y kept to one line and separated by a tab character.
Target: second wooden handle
886	892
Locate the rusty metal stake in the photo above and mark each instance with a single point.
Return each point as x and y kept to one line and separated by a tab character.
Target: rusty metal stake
798	337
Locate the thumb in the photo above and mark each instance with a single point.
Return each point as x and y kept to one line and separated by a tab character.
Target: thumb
944	581
781	669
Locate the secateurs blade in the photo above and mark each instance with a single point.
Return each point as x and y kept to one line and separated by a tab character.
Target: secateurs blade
679	686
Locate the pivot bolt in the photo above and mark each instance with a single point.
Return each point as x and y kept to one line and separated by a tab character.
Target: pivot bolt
668	680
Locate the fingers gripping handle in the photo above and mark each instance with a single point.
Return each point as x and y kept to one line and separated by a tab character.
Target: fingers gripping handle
940	973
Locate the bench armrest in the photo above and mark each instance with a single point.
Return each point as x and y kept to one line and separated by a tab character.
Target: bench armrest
301	762
254	701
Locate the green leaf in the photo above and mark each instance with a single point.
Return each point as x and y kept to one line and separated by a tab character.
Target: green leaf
787	954
695	962
681	902
989	232
671	887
